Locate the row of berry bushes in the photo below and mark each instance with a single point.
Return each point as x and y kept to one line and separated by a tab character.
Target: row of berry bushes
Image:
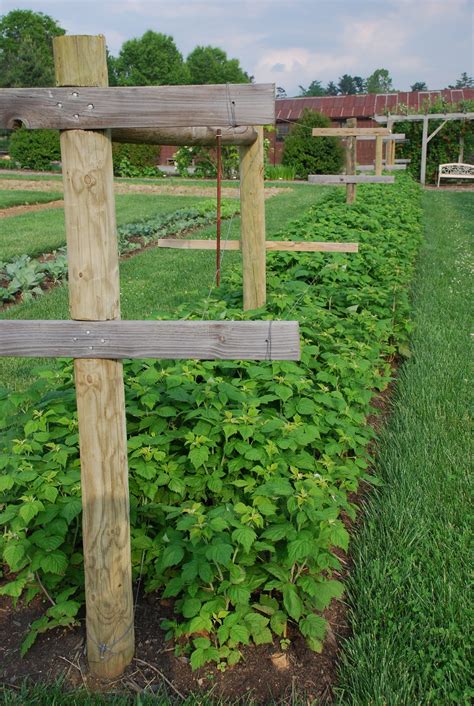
240	472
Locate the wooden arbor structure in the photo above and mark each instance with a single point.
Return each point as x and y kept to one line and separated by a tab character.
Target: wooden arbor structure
84	109
390	120
350	133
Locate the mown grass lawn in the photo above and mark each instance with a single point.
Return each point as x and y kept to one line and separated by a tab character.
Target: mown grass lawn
409	588
21	198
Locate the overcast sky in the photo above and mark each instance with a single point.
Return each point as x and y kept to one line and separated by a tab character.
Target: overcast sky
293	42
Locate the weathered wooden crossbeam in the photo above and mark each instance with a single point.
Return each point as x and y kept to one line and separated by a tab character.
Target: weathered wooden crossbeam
94	108
350	131
114	340
349	179
394	137
206	136
271	245
387	167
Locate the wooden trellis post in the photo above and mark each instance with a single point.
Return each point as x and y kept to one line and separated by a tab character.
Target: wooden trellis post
350	152
351	133
94	295
378	155
95	337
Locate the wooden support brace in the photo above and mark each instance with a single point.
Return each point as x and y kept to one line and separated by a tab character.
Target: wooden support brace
270	245
334	179
351	157
200	340
350	131
252	223
185	136
378	156
387	167
94	294
85	108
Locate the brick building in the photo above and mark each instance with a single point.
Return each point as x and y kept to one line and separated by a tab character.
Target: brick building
338	109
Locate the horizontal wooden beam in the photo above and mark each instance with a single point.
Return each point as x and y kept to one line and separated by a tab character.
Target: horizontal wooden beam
349	179
222	105
387	167
202	340
350	131
394	137
420	116
185	135
271	245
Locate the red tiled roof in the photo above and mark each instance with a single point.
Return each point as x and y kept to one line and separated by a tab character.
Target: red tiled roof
366	105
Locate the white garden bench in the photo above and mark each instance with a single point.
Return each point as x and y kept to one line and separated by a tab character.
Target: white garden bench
455	170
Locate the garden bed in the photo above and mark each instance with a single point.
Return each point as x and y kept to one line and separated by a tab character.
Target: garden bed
242	476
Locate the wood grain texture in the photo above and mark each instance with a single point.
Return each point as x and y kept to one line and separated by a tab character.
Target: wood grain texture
349	131
202	340
351	158
94	290
350	178
378	156
252	223
396	136
105	515
270	245
386	167
184	136
221	105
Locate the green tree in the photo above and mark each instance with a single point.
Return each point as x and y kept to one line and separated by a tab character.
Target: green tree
150	60
419	86
360	84
331	89
346	85
26	49
311	155
464	81
211	65
315	88
380	82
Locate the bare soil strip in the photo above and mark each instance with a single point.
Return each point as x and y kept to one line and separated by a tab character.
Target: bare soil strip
129	188
29	208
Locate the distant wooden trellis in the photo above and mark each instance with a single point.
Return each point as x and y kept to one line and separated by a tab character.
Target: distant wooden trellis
84	108
351	132
426	138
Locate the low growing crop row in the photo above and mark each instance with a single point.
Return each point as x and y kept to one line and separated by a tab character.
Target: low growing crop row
239	472
25	276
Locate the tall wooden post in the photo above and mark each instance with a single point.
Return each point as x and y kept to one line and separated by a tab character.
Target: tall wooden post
351	143
252	219
94	293
378	155
424	150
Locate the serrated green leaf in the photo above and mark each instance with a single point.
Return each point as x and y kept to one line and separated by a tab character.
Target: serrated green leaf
199	456
191	607
6	482
55	562
14	554
172	555
292	601
244	536
220	553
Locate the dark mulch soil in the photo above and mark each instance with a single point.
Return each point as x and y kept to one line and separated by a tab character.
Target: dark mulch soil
266	674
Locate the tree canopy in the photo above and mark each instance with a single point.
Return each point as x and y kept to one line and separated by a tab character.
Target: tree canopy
150	60
380	82
211	65
464	81
26	49
419	86
315	88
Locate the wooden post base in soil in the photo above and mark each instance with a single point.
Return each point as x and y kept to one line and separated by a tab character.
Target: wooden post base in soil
89	208
252	219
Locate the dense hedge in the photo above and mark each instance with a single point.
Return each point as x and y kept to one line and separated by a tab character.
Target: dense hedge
311	155
135	160
35	149
239	471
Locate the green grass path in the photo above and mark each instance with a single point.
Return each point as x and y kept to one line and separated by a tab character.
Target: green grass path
409	587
